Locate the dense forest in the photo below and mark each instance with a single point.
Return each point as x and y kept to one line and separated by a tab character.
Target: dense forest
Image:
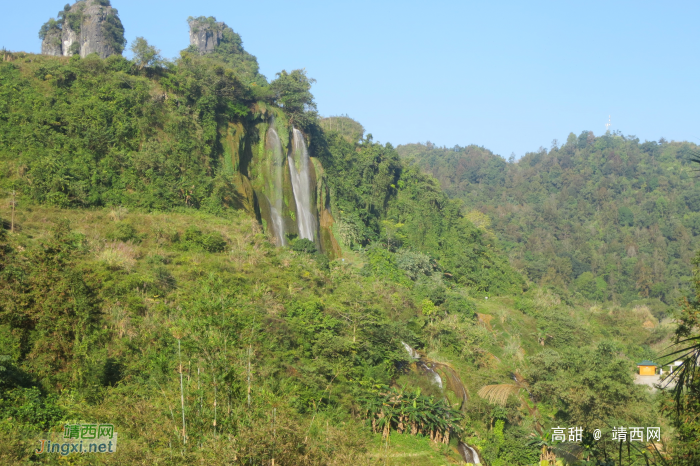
608	217
141	282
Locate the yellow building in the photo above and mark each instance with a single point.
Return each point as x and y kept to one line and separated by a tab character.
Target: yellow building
647	368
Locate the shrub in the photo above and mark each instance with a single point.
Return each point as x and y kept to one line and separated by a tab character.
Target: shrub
322	261
119	255
194	239
592	287
74	48
428	308
30	406
303	245
431	288
526	306
413	263
123	232
213	242
382	263
163	279
458	304
74	17
348	233
50	26
157	259
192	235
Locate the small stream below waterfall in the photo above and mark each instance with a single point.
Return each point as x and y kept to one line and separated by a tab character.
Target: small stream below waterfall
469	454
430	369
436	377
425	366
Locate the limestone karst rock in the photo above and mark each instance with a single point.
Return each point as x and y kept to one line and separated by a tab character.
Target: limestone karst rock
214	38
52	43
206	34
88	26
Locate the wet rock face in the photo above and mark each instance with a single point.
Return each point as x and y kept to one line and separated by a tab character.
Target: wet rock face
88	26
206	35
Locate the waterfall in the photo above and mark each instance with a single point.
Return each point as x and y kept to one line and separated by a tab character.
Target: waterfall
469	454
414	355
411	352
436	377
273	141
301	185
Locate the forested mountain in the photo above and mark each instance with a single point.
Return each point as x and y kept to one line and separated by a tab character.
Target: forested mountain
609	217
173	165
191	253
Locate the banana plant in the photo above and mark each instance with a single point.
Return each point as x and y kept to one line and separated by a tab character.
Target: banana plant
398	409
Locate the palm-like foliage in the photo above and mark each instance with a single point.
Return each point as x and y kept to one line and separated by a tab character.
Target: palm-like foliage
687	374
686	392
545	443
412	412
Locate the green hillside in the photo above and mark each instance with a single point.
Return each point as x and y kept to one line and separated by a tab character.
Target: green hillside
100	308
153	275
607	217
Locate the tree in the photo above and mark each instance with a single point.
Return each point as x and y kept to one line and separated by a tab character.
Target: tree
589	386
626	216
50	26
145	55
684	406
428	308
293	92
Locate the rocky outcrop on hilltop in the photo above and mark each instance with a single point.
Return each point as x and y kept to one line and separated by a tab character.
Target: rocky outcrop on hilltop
52	43
88	26
206	33
214	38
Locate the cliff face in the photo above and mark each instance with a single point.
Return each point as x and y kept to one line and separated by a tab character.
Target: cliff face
52	43
88	26
206	35
68	38
251	162
273	177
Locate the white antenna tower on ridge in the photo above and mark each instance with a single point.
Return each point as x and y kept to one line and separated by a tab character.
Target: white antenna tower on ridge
607	125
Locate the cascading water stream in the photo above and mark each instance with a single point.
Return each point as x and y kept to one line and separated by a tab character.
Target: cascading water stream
411	352
299	166
469	454
273	141
423	364
436	377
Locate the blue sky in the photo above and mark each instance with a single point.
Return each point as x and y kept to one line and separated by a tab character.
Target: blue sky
509	76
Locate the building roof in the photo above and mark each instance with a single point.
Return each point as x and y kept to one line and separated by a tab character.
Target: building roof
646	363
